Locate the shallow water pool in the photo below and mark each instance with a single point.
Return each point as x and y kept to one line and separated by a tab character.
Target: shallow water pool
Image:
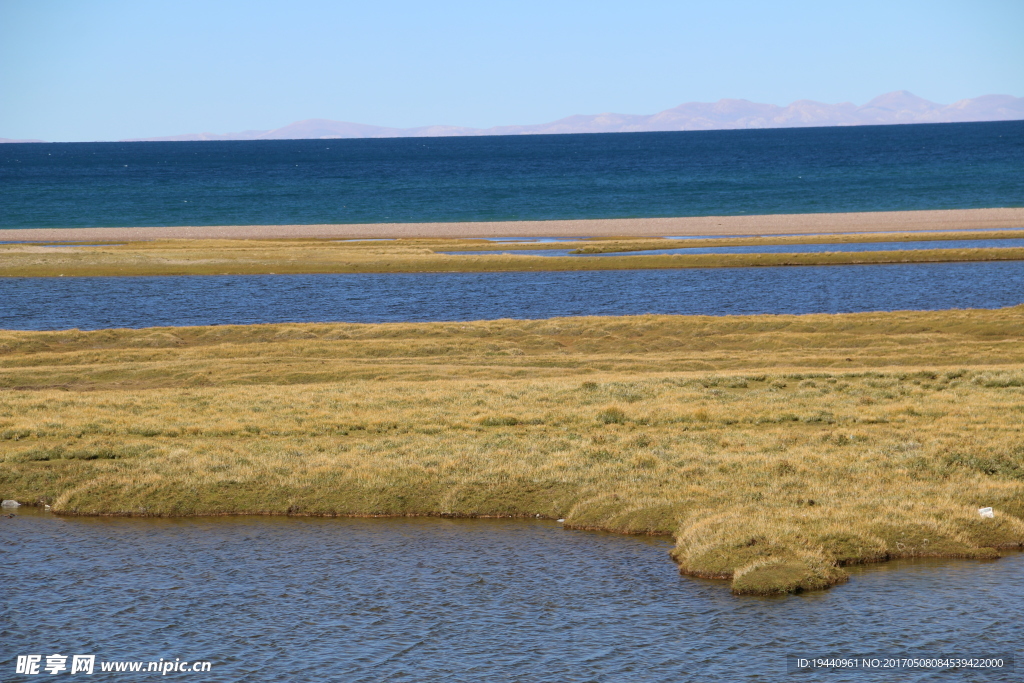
289	599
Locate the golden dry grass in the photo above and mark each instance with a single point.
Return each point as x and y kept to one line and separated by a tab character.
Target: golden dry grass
215	257
774	448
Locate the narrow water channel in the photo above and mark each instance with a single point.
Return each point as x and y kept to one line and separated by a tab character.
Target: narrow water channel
772	248
102	302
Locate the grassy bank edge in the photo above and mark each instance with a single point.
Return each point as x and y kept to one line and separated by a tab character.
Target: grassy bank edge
772	576
776	572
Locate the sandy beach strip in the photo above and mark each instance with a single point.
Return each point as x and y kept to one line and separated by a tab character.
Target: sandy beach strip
708	226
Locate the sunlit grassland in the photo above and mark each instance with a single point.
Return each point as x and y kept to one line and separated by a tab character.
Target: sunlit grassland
776	449
240	257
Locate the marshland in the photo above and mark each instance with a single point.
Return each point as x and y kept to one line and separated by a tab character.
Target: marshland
418	255
774	450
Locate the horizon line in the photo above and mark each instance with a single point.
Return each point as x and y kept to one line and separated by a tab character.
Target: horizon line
899	107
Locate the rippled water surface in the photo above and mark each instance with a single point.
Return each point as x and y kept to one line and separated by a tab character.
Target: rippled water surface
288	599
92	303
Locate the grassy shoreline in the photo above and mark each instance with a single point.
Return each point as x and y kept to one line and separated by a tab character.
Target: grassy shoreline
252	257
775	449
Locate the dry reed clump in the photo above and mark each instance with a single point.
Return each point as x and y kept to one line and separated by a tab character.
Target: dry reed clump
770	474
223	257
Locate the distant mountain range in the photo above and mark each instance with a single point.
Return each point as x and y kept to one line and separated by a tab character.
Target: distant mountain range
895	107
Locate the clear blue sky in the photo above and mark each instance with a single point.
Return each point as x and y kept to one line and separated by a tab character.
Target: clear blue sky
110	69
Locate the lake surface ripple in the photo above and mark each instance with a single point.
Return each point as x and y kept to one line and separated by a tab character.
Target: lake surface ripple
102	302
292	599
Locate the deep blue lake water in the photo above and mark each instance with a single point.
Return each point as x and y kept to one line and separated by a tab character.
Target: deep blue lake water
797	170
99	302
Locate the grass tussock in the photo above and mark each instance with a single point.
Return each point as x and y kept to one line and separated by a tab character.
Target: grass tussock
244	257
775	449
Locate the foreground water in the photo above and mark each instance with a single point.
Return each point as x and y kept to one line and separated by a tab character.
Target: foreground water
527	177
288	599
102	302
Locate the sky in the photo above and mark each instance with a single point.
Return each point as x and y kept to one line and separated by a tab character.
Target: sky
115	69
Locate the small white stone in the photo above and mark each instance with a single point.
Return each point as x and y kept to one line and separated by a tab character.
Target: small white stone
10	504
986	512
